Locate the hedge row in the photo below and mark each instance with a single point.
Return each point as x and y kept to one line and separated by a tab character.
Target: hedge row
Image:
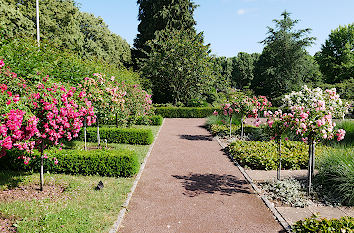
120	135
184	112
264	155
140	120
149	120
115	163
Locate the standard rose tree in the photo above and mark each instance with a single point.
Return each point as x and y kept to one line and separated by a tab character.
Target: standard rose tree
311	118
60	111
245	106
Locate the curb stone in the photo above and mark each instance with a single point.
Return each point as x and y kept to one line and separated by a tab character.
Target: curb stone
124	209
270	205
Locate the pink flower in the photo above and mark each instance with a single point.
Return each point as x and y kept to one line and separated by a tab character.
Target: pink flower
270	123
215	113
340	134
2	64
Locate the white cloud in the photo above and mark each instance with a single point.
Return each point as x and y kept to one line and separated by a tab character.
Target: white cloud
241	11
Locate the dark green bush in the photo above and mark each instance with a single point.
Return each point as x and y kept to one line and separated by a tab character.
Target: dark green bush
335	178
314	224
264	155
95	162
149	120
184	112
120	135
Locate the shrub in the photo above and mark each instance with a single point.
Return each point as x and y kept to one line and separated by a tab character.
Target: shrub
335	178
149	120
96	162
120	135
287	191
314	224
264	155
184	112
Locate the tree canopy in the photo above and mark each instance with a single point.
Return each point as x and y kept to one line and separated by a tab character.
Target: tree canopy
336	58
158	15
62	23
282	66
178	66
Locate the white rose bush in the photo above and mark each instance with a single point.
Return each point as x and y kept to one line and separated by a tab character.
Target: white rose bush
312	111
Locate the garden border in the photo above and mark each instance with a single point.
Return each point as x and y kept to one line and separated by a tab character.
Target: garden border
271	207
122	212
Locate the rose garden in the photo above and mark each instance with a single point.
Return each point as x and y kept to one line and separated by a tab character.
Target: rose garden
77	124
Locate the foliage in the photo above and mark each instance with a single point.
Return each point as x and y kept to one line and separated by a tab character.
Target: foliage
94	162
179	67
155	16
25	59
149	120
289	192
184	112
335	178
336	58
263	155
62	23
243	69
121	135
345	89
283	65
314	224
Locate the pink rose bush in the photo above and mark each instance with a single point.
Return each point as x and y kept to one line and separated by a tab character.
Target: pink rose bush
311	118
245	107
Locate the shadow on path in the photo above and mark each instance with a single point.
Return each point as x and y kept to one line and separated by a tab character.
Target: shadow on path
196	184
197	137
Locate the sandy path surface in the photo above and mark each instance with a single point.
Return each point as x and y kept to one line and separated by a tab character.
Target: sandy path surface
189	185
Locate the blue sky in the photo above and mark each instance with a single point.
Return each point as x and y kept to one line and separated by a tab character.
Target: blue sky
233	26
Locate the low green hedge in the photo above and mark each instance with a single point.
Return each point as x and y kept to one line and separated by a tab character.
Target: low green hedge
314	224
115	163
149	120
184	112
120	135
264	155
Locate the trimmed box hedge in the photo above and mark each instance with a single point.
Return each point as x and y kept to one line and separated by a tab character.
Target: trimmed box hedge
184	112
260	155
120	135
149	120
115	163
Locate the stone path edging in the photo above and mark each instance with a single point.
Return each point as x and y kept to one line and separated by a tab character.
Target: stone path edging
275	212
122	212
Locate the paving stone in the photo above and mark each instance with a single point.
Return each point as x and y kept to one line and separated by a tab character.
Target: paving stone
293	214
327	211
349	211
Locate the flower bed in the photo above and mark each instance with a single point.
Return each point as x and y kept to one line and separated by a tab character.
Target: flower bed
263	155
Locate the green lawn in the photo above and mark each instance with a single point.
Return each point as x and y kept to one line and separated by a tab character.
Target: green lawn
79	208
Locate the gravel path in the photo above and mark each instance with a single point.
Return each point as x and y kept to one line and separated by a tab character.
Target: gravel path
189	185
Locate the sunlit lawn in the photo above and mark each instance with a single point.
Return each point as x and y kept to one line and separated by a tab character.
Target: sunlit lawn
80	208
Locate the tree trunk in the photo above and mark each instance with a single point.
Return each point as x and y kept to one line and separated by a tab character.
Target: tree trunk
117	120
230	125
98	134
85	133
279	159
241	127
310	166
41	175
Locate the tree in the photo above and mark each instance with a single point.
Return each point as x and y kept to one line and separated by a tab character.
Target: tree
243	69
282	66
336	58
178	66
158	15
62	23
